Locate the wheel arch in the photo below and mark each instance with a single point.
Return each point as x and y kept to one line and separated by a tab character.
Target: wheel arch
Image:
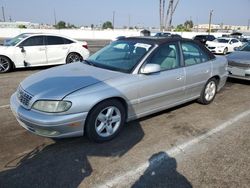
217	77
12	62
118	98
72	52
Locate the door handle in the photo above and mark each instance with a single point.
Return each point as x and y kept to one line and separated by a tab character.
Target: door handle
64	48
179	77
41	49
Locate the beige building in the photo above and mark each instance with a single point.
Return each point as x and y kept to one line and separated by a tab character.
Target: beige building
204	27
28	25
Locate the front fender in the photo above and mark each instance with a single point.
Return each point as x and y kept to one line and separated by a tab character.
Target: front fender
85	99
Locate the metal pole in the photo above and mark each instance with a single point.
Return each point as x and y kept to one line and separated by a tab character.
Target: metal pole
55	16
210	19
113	22
3	14
129	21
160	13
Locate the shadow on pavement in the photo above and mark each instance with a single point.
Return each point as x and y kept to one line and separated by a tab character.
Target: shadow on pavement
162	172
65	163
238	81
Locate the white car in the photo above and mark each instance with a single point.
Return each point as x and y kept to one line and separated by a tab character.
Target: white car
223	45
30	50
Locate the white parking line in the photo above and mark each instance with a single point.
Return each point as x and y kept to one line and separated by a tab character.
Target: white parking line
5	77
134	174
5	106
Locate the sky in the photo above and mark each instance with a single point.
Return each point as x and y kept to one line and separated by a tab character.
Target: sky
136	12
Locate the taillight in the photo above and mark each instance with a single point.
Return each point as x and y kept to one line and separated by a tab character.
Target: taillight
85	46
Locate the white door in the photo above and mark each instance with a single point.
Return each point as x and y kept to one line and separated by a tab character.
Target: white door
57	49
32	51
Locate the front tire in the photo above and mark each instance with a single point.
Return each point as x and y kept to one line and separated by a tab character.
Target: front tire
5	64
209	91
105	121
73	57
225	51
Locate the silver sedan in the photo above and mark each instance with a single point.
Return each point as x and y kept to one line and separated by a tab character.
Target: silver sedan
126	80
239	63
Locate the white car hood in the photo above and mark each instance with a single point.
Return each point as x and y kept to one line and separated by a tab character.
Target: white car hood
216	44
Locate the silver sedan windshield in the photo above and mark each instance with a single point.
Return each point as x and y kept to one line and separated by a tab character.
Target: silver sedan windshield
120	56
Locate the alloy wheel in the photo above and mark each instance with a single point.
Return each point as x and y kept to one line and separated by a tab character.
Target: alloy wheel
73	57
108	121
210	90
4	64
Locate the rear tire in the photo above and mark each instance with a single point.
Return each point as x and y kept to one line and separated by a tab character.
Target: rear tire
5	64
105	121
73	57
209	91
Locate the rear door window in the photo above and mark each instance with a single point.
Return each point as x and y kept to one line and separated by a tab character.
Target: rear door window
67	41
193	54
54	40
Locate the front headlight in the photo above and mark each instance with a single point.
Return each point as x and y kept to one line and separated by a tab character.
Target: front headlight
52	106
220	46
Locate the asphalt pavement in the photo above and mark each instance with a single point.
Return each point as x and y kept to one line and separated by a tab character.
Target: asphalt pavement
192	145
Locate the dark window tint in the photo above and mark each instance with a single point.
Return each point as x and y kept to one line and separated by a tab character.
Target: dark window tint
67	41
193	54
54	40
166	56
33	41
234	40
199	37
210	37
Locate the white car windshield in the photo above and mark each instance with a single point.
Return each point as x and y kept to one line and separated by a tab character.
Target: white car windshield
221	40
15	40
120	56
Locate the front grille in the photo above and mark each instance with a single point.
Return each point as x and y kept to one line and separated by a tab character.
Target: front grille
211	47
23	97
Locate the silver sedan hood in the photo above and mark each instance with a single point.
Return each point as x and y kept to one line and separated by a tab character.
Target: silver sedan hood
57	82
239	58
239	55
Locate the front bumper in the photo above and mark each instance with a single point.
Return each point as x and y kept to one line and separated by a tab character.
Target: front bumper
48	125
216	50
239	72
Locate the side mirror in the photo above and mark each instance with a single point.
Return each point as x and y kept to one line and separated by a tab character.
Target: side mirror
150	69
22	49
